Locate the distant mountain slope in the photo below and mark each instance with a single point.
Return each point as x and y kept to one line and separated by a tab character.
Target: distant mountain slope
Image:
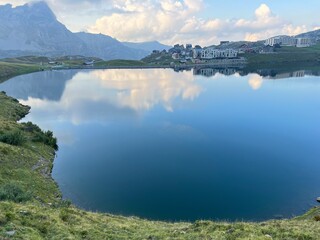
148	46
108	48
33	29
313	34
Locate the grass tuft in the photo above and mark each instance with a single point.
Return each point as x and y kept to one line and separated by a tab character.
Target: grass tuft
13	192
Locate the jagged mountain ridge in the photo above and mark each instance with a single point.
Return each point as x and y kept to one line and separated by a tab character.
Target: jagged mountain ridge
34	28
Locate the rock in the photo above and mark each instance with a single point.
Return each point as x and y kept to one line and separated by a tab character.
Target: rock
268	236
318	199
23	212
11	233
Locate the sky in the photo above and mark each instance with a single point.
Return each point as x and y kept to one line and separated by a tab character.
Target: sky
203	22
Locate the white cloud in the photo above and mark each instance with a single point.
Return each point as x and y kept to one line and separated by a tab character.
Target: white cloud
172	21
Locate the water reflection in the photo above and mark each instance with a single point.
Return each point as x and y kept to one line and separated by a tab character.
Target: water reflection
102	95
255	81
210	72
48	85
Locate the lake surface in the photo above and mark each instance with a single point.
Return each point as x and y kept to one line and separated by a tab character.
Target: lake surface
168	145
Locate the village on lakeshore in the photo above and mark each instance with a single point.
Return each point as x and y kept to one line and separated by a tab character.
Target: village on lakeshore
227	50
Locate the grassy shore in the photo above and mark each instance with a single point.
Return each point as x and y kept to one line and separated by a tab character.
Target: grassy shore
31	206
285	57
9	70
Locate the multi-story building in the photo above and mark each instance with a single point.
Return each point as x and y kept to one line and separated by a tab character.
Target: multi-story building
213	53
281	40
305	42
289	41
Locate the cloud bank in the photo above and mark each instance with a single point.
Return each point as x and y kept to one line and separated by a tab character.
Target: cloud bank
168	21
172	21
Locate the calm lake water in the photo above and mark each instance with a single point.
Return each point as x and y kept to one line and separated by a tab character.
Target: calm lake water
164	145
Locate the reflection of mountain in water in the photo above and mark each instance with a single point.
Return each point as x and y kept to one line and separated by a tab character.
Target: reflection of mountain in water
43	85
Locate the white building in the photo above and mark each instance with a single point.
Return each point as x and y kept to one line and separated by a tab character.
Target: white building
176	56
212	53
304	42
281	40
197	52
289	41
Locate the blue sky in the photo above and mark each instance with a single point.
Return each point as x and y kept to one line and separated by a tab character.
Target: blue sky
202	22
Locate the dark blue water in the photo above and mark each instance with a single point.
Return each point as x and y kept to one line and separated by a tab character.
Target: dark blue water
174	146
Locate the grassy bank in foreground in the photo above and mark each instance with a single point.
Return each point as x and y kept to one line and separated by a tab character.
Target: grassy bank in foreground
31	205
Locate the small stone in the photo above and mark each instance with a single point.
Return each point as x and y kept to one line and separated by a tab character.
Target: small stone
229	231
11	233
24	212
318	199
268	236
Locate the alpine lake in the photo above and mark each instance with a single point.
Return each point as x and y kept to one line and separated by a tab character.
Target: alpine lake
205	143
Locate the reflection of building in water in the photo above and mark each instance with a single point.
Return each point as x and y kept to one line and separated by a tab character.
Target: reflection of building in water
209	72
299	74
288	75
276	74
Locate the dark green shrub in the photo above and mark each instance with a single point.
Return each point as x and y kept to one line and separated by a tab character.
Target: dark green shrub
15	138
46	138
40	136
30	127
64	215
13	192
63	204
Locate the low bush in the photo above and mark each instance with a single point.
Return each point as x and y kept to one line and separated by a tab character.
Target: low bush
41	136
13	192
15	138
46	138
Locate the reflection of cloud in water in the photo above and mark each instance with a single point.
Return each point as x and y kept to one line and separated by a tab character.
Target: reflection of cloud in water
255	81
141	90
106	94
181	131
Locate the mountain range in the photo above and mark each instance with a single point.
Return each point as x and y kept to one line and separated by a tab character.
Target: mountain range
33	29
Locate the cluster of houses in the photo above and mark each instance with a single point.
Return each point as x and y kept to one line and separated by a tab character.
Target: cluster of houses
227	50
198	54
